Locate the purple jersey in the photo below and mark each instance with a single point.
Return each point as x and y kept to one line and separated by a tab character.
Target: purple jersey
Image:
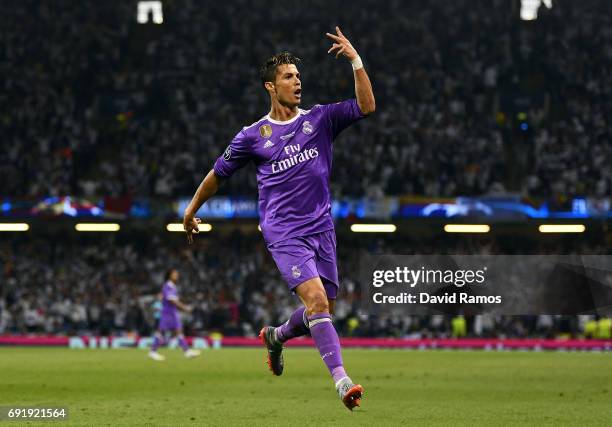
293	160
169	293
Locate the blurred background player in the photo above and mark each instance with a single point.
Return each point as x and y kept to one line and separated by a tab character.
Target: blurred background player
170	319
157	307
292	150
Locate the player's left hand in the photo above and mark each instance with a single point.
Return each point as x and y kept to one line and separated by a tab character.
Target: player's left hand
342	45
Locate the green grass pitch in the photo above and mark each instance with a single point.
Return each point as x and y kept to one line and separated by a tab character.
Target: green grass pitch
234	387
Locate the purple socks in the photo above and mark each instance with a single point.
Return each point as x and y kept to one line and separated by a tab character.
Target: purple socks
182	342
158	341
326	339
296	326
338	373
323	333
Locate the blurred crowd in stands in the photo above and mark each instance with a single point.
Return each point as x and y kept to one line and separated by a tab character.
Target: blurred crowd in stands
470	101
93	103
111	286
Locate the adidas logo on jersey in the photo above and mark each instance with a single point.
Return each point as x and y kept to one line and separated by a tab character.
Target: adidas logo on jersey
268	144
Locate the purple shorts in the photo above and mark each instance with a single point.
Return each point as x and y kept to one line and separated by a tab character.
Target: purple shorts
302	258
170	322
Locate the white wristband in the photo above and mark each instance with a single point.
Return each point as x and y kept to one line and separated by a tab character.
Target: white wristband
356	63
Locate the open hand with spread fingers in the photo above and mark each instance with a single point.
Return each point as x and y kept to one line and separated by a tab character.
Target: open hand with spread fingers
341	46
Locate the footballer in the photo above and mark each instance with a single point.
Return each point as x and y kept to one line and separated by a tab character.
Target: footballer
292	151
170	319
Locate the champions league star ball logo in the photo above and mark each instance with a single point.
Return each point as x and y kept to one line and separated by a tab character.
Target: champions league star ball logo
307	128
296	271
228	153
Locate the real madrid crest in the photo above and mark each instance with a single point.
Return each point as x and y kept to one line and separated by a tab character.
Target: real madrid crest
307	128
265	131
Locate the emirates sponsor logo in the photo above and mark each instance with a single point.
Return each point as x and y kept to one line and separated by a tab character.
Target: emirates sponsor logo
296	156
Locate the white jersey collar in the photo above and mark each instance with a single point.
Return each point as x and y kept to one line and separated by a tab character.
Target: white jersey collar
286	122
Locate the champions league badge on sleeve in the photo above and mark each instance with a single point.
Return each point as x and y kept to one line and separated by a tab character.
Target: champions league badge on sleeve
228	153
265	131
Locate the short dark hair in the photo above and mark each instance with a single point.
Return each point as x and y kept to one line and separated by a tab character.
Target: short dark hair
268	69
169	273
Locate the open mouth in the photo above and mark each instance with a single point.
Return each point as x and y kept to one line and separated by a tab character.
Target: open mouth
298	93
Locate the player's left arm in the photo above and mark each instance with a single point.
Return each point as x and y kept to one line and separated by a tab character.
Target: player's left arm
363	86
179	304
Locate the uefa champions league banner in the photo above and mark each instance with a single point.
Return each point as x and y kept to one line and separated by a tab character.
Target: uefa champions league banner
223	207
491	284
81	207
500	208
503	208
